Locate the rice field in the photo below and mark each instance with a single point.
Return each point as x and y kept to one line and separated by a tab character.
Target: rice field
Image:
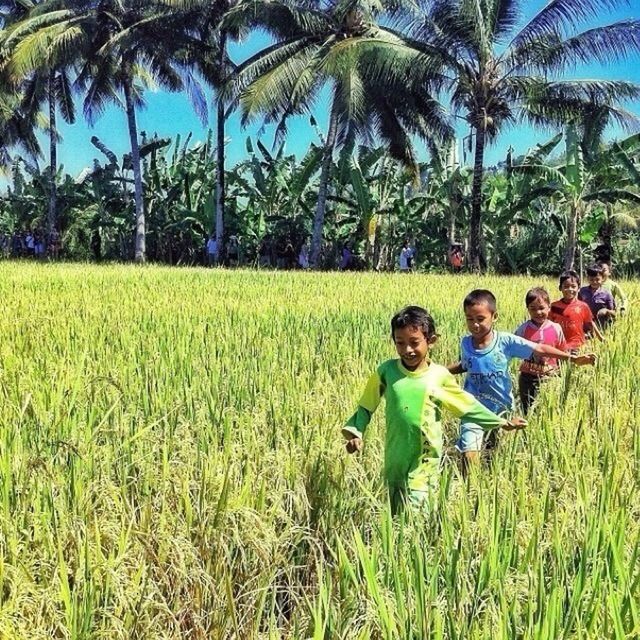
171	466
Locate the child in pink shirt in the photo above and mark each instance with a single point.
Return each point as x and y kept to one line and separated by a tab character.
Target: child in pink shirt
541	330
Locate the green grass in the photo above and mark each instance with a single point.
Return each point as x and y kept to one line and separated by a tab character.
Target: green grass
171	466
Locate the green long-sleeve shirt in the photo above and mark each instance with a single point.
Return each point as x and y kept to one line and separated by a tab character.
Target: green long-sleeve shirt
414	402
618	295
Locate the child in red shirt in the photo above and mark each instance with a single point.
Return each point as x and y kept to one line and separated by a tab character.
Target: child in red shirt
572	315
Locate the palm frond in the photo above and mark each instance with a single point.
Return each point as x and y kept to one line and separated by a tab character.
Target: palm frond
64	97
561	15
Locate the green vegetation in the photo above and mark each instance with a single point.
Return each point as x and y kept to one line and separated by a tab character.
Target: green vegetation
399	74
171	466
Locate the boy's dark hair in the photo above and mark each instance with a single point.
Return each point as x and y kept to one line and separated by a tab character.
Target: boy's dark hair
568	275
413	316
594	269
478	296
537	293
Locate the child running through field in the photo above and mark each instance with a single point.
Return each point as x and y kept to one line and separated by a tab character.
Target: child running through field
600	301
573	315
484	357
415	390
539	329
613	288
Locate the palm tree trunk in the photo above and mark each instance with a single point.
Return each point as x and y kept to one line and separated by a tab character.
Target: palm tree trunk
476	257
140	246
53	156
572	229
318	220
220	178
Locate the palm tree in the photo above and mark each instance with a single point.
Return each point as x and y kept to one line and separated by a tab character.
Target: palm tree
216	67
499	76
17	130
125	46
46	88
577	187
341	45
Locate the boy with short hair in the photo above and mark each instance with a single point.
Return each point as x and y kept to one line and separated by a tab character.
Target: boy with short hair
573	315
484	357
600	301
416	390
539	329
613	288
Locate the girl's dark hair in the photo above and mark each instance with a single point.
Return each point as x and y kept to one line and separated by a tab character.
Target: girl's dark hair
568	275
479	296
537	293
413	316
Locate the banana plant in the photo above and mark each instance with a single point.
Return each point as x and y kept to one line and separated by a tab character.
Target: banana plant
578	190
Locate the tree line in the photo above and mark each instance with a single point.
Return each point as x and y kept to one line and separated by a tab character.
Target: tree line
400	73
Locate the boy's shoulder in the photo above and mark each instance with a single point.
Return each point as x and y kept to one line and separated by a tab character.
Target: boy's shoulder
387	365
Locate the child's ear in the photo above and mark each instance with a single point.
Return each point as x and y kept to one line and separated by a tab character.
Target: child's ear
495	316
431	340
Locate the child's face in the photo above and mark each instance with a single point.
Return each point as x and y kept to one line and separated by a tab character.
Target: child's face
595	281
538	310
606	272
480	319
569	289
412	346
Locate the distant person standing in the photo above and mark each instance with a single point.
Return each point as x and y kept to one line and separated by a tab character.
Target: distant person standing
17	245
54	244
346	258
30	244
38	246
303	256
212	251
456	257
405	260
233	251
613	288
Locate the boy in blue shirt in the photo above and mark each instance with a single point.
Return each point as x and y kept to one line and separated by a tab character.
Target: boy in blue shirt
484	356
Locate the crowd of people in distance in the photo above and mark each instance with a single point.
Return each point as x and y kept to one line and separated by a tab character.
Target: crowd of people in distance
285	254
416	389
30	244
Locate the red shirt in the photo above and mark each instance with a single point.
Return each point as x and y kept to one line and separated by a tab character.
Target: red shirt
575	319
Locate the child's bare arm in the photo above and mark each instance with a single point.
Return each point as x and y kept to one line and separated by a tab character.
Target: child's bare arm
455	368
548	350
596	332
515	423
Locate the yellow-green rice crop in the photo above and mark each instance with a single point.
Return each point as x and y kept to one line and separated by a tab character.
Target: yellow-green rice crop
171	466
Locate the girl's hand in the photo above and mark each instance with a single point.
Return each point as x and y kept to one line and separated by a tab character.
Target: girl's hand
354	445
584	359
515	424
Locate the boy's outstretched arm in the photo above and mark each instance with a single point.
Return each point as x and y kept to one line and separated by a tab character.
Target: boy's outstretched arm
548	350
464	406
456	368
596	331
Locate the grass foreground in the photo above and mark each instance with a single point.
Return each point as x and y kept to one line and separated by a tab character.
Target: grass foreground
171	466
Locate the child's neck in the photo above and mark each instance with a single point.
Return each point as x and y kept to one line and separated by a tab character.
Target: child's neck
419	367
569	300
538	323
484	341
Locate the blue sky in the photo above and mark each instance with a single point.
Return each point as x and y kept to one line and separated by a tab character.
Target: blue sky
170	114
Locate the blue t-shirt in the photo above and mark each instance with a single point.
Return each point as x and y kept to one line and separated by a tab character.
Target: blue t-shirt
487	370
